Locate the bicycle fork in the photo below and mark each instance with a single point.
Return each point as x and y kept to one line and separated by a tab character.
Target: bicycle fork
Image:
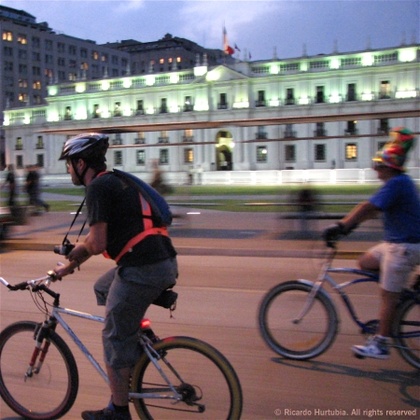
42	344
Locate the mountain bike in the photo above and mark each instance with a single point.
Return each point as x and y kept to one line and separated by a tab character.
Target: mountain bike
175	377
299	320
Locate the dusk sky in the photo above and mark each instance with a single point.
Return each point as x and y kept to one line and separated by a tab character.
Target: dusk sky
257	27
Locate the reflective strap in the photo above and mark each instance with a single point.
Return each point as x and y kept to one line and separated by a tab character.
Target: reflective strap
138	238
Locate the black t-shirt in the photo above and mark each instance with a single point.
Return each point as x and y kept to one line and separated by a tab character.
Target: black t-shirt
110	200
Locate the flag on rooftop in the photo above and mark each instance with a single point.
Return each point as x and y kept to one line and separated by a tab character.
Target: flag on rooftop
226	47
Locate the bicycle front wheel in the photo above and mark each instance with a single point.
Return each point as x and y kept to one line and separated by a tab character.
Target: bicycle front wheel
407	331
288	331
188	379
47	394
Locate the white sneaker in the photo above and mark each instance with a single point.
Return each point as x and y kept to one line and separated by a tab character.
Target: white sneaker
376	347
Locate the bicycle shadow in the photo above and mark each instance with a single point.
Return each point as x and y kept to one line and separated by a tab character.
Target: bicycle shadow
403	379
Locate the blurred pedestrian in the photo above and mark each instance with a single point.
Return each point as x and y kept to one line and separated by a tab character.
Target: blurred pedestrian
10	182
33	189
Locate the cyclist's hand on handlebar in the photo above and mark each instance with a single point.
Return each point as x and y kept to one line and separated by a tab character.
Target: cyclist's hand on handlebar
333	233
61	270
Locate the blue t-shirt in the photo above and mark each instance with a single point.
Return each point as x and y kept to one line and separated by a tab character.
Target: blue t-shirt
399	201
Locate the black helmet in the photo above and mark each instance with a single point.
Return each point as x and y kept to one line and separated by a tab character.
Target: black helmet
91	147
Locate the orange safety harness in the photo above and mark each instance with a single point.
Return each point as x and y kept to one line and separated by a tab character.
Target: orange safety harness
149	229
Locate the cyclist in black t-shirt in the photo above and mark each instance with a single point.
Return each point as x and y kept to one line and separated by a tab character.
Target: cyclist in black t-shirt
140	276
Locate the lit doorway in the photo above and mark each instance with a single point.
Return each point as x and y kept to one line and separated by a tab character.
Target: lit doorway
224	151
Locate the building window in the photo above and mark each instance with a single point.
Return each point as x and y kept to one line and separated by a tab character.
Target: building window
261	98
19	162
163	138
189	155
319	151
117	109
188	104
261	134
141	157
96	111
385	90
188	136
118	159
67	114
140	107
383	126
7	36
40	161
351	92
290	98
22	39
289	133
19	143
261	154
141	138
320	99
222	101
117	141
320	130
163	156
290	153
163	106
351	151
351	128
39	142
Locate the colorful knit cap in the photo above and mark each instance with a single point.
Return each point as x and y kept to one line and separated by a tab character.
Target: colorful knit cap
394	153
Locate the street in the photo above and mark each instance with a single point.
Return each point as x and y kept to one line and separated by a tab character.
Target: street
218	303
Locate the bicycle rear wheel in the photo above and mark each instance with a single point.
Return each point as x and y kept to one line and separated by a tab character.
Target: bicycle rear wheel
46	395
407	331
205	379
291	338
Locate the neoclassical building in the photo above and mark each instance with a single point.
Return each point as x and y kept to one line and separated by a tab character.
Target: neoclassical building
313	113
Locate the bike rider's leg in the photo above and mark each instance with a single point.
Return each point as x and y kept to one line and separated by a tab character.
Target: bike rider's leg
396	261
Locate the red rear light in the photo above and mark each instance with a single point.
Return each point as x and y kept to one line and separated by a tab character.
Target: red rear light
145	323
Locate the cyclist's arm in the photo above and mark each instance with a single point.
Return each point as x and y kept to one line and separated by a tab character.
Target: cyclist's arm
363	211
94	244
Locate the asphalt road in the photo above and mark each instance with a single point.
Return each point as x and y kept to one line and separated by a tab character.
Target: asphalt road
218	300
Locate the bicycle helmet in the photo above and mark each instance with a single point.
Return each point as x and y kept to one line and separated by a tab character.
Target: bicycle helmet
90	147
394	153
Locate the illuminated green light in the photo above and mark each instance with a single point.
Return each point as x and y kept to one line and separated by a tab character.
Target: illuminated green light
274	69
407	54
368	96
212	76
304	100
127	82
52	90
200	71
80	87
174	78
367	59
274	102
150	80
335	98
105	85
335	64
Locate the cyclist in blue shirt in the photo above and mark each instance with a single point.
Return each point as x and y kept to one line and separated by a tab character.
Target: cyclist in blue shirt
399	254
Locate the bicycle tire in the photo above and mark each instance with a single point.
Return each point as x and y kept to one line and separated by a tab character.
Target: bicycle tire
307	339
201	371
46	395
407	331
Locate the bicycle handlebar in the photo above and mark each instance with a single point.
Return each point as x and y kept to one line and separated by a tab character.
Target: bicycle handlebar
35	284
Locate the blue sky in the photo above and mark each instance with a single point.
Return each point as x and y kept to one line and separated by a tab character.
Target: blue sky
256	26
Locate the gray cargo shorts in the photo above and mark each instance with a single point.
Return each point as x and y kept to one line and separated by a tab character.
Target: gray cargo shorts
127	292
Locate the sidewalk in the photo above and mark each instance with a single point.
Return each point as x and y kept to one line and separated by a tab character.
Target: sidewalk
207	232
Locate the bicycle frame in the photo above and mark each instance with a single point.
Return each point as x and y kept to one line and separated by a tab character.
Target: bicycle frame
56	317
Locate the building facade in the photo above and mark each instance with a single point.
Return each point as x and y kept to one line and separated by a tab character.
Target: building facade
33	56
318	113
